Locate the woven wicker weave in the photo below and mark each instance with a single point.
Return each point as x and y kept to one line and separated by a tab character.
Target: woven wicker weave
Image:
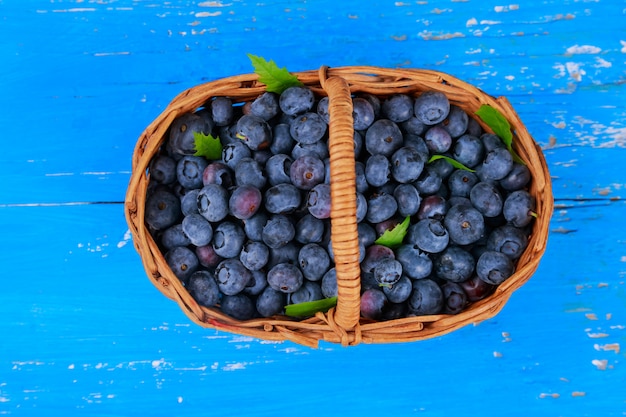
341	324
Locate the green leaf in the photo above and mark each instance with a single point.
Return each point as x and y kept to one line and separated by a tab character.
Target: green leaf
276	79
451	161
207	146
500	126
309	308
394	237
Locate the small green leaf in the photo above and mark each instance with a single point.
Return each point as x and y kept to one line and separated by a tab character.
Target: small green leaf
207	146
276	79
500	126
394	237
451	161
309	308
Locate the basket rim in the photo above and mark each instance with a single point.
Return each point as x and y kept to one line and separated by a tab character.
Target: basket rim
382	81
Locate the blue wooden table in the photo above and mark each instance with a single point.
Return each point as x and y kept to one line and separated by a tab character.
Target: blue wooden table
84	332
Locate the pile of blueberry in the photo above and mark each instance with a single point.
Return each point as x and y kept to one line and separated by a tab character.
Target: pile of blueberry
249	233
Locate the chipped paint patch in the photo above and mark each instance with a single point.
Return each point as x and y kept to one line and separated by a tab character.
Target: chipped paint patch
601	364
549	395
614	347
504	9
583	49
429	36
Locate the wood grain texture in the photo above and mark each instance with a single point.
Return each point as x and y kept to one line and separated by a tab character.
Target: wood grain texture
84	331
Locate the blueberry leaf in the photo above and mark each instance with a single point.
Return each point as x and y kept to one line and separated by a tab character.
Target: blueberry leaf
394	237
309	308
500	126
451	161
276	79
207	146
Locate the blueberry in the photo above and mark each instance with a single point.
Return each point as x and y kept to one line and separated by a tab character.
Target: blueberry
413	126
203	288
329	283
361	207
306	172
494	267
314	261
284	254
455	299
374	255
509	240
309	229
362	113
282	198
407	164
426	298
468	150
238	306
388	272
278	231
361	180
380	207
254	132
181	138
213	202
174	236
182	261
454	264
317	150
377	170
416	264
282	142
429	235
399	291
270	302
519	208
244	201
207	256
163	169
429	182
162	209
408	199
228	239
265	106
254	255
253	227
249	172
397	108
517	179
234	152
222	111
296	100
197	229
367	234
432	207
487	199
383	137
277	169
322	109
257	283
308	128
285	277
460	182
465	224
232	276
497	164
318	201
456	123
373	302
431	107
309	291
189	202
476	289
438	140
218	173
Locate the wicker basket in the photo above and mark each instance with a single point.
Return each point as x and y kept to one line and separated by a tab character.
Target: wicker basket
341	324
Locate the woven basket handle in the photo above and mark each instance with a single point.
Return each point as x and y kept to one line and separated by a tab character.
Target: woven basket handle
344	234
